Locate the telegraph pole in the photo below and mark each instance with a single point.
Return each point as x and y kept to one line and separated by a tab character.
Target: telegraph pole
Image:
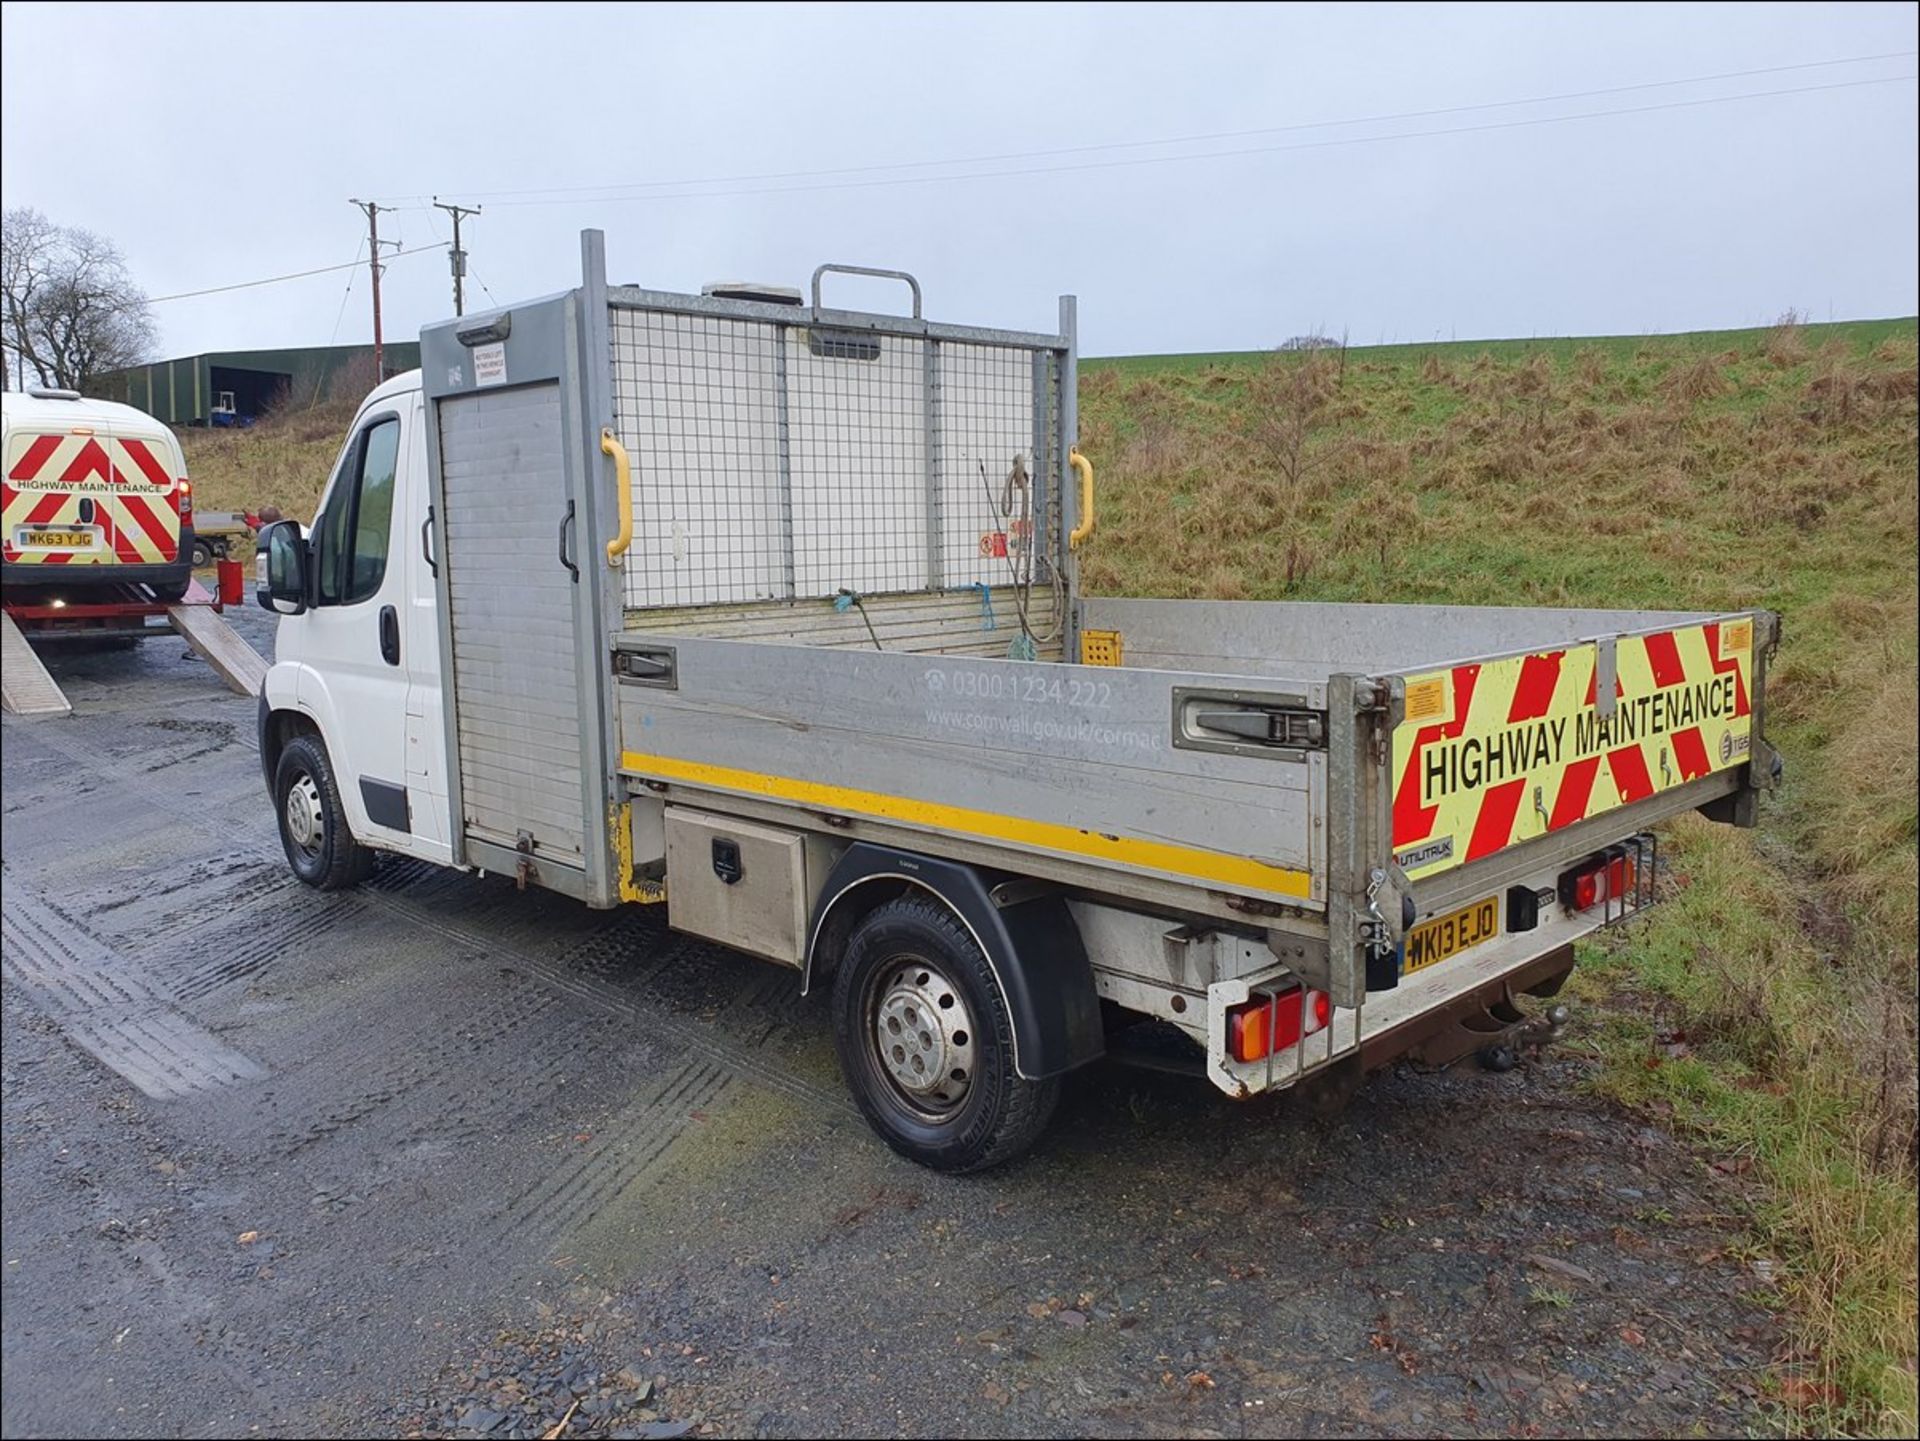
373	260
457	257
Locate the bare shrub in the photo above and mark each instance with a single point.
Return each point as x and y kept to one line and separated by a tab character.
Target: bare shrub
352	381
1286	402
1296	560
1785	344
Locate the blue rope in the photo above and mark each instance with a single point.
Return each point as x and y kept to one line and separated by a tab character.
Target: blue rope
987	622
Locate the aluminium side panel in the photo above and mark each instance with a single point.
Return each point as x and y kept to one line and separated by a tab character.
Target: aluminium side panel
1078	763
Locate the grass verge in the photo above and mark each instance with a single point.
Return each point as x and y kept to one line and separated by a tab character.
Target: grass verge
1769	1008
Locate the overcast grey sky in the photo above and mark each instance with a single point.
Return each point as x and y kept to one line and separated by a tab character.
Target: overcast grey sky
220	143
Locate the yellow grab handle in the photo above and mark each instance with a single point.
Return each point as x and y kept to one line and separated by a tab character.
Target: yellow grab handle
1084	469
623	482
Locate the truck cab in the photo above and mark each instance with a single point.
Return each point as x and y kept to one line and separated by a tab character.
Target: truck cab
357	669
95	494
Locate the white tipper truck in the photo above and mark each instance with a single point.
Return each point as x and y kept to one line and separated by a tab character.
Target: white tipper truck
767	611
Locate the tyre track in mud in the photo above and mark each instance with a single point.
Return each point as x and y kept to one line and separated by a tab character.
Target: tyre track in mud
584	983
569	1197
103	1003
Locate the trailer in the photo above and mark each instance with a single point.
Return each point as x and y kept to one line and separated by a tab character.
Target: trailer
217	532
769	611
125	612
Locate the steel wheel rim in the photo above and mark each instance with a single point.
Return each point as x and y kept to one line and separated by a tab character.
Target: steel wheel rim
306	817
921	1032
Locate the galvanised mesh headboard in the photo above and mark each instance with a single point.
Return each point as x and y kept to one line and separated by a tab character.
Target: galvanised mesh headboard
793	452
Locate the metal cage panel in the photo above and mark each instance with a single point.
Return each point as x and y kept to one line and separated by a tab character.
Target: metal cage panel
789	454
993	417
698	402
858	462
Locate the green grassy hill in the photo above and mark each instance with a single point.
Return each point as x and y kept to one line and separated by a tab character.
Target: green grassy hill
1712	471
1769	1007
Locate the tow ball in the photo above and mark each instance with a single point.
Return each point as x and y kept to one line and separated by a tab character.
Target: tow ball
1530	1032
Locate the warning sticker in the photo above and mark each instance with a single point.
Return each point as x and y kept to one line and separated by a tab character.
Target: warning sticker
1427	699
490	364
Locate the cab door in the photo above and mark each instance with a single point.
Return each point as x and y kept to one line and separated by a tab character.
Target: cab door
354	642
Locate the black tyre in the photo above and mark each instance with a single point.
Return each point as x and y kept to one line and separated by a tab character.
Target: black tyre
313	823
202	554
926	1044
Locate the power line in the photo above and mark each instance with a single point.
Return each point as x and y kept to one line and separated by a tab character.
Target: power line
1216	154
353	274
276	279
602	191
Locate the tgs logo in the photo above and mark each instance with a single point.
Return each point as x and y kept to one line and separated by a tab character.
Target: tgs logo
1732	745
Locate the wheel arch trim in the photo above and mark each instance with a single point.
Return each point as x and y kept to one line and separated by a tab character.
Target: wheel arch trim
1032	946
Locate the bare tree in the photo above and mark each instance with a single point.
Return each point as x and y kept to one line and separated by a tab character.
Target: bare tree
69	311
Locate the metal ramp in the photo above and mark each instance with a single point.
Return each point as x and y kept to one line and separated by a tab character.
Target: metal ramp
242	667
25	686
119	612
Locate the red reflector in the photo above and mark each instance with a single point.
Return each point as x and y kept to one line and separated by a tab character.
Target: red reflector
1259	1027
1599	878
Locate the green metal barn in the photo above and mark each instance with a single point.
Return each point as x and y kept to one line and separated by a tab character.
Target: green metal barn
232	387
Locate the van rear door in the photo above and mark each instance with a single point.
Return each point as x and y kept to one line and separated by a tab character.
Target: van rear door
144	476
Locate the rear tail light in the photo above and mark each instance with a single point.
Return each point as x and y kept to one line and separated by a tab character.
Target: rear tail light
1608	876
183	488
1269	1025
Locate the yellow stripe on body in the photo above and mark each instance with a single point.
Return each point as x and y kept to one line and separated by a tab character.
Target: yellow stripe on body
1215	866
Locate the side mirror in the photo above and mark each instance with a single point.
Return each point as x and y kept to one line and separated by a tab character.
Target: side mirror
283	566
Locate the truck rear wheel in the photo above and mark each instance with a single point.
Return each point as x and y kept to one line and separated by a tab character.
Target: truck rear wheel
313	823
202	554
926	1043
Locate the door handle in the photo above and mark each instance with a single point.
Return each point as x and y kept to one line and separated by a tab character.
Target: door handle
426	544
566	521
389	635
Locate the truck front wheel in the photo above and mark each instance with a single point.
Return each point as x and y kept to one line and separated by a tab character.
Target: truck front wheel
313	823
926	1043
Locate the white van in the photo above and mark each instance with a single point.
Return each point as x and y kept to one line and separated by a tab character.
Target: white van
94	494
